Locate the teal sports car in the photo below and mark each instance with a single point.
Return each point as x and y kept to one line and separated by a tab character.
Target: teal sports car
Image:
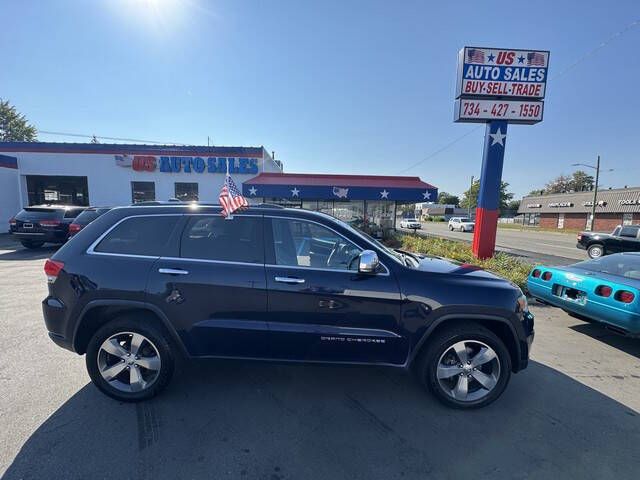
605	289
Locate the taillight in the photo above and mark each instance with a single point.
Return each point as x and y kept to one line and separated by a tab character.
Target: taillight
535	273
49	223
624	296
579	237
52	268
12	222
75	228
604	291
546	276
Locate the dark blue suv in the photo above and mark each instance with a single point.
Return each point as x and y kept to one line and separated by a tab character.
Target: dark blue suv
141	285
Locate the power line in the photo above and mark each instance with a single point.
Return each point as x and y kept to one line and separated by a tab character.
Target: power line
602	45
82	135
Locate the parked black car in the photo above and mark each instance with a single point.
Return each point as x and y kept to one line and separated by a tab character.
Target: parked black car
140	285
624	238
37	225
85	218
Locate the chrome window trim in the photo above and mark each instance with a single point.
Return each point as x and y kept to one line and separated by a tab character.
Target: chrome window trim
341	270
203	260
386	272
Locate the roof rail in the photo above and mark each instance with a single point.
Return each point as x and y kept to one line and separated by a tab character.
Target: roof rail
267	205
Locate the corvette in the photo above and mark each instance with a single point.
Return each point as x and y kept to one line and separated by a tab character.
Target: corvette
605	290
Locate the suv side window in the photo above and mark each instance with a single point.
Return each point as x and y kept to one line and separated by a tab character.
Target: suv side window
211	237
629	232
139	236
73	212
300	243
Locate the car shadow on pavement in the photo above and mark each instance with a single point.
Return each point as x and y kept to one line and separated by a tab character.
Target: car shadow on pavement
616	340
21	253
275	422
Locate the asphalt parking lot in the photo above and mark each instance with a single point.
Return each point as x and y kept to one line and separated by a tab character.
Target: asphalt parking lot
575	413
556	248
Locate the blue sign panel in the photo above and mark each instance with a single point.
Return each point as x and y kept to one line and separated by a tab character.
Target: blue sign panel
339	192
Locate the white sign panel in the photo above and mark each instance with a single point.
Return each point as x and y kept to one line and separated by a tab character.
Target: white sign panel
482	110
492	72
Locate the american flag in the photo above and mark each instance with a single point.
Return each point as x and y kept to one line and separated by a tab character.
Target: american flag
476	56
230	197
534	58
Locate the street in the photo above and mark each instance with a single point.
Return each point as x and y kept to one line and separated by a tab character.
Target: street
574	413
533	246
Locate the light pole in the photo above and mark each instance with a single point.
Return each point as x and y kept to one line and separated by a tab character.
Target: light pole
595	188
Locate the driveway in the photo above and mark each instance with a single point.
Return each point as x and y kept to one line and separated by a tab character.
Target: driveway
573	414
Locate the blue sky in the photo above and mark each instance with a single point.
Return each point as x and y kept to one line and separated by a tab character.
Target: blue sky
359	87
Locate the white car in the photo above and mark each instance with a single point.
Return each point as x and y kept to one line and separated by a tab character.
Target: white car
410	223
462	224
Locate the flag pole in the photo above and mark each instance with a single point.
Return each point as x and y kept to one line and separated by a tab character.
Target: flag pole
229	215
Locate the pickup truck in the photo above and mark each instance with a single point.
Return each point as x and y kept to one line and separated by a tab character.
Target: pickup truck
624	238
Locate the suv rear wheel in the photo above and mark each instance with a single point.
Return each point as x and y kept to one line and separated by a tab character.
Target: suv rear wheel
465	366
129	361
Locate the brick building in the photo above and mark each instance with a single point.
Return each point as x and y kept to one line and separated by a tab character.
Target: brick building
614	207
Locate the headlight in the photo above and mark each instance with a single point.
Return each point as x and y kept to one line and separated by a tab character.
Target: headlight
523	305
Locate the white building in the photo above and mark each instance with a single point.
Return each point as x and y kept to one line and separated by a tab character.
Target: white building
116	174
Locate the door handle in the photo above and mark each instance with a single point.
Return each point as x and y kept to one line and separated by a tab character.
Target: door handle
173	271
289	280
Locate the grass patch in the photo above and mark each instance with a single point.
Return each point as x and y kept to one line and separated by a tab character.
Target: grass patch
503	264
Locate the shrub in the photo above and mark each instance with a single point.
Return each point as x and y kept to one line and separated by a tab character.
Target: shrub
503	264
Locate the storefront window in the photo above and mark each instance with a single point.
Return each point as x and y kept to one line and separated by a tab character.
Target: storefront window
143	192
351	212
187	192
310	205
379	218
325	207
65	190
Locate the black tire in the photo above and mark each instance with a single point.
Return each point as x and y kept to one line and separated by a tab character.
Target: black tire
31	244
158	339
441	342
450	228
596	250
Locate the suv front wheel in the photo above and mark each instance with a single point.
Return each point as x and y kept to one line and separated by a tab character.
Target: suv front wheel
130	361
465	366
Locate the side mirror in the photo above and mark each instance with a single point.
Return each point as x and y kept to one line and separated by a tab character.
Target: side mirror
368	262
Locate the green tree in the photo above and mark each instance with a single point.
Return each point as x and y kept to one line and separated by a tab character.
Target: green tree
470	197
14	127
560	184
445	198
513	205
581	181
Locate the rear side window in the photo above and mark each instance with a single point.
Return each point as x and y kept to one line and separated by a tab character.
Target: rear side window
139	236
629	232
87	216
214	238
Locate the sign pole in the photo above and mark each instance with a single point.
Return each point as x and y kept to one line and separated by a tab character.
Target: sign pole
484	236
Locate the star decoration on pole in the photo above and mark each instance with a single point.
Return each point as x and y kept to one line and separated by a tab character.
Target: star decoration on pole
253	191
295	192
384	194
498	138
426	195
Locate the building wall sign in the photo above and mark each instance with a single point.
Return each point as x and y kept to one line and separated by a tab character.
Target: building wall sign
561	204
635	201
534	205
601	203
490	72
165	164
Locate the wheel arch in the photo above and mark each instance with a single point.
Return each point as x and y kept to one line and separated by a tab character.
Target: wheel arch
99	312
500	326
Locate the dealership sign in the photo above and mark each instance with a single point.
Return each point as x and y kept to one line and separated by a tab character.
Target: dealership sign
489	72
498	86
165	164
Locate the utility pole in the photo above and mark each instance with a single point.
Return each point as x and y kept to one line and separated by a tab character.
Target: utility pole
595	196
469	199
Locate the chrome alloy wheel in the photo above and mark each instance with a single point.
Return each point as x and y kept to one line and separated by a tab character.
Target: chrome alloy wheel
129	361
468	370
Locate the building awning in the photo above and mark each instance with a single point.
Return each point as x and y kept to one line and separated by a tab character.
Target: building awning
339	187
